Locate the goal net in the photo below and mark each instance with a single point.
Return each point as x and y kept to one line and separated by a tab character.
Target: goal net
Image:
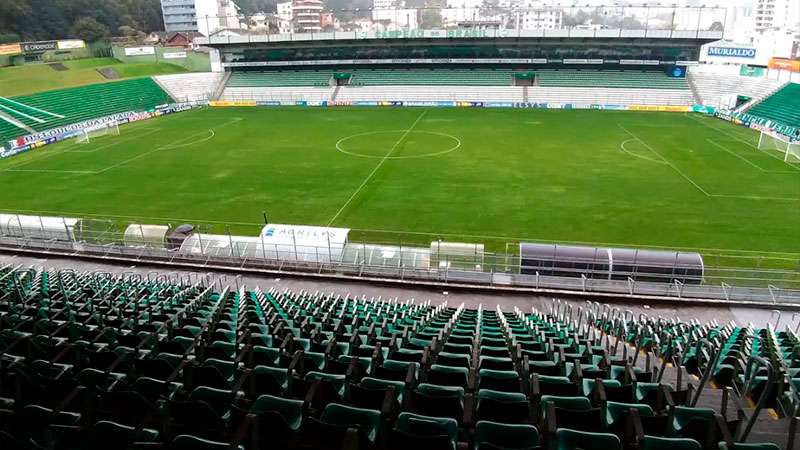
783	144
106	129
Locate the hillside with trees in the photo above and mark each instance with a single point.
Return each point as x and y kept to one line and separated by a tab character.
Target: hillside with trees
31	20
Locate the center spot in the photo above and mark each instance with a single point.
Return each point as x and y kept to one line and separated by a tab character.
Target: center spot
398	144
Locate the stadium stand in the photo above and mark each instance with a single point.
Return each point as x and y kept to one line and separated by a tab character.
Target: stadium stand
281	78
783	106
609	79
477	85
51	109
283	93
190	86
712	88
97	361
432	77
432	93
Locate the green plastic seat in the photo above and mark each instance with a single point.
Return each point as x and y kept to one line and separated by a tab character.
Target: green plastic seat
366	420
189	442
737	446
377	383
505	407
683	416
663	443
616	411
567	439
448	376
499	380
396	370
336	380
493	436
290	411
412	429
588	385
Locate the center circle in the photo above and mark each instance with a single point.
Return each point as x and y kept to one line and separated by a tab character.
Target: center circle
398	144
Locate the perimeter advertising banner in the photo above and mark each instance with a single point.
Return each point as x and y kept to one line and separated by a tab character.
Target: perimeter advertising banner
232	103
38	47
791	65
10	49
140	51
71	44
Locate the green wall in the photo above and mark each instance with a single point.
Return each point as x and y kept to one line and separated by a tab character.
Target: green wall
194	61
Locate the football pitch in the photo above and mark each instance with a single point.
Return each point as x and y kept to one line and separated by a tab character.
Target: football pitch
413	175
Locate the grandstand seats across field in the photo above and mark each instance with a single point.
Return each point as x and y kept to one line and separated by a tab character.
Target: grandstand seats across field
713	88
639	79
190	86
79	104
281	78
432	77
783	106
97	361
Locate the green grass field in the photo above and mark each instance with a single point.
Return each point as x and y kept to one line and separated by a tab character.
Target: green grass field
487	175
40	77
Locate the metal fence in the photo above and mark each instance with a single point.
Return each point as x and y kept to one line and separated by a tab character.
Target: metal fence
771	281
307	19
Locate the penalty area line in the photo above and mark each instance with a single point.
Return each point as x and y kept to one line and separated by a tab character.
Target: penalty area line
667	162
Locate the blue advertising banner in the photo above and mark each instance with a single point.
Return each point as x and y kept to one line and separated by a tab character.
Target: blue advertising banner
732	52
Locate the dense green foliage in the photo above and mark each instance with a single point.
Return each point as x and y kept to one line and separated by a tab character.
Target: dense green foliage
85	19
625	178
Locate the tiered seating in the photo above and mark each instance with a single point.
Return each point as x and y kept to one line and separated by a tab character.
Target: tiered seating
189	87
782	107
278	78
651	79
714	88
432	93
432	77
79	104
609	96
103	361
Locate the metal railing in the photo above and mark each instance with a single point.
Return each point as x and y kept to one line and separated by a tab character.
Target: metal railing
734	278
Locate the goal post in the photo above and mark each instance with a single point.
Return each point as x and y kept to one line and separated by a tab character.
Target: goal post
106	129
781	143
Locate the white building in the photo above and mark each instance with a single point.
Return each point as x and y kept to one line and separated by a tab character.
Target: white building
204	16
777	15
393	15
307	16
213	15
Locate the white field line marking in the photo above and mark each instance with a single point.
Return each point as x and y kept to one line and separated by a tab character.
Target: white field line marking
57	151
373	230
111	144
22	114
80	172
44	154
678	171
33	108
750	144
378	166
757	197
170	145
747	161
622	147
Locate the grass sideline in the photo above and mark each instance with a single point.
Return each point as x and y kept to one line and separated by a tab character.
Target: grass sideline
34	78
495	176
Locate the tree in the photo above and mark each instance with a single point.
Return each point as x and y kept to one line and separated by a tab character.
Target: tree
89	29
430	19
